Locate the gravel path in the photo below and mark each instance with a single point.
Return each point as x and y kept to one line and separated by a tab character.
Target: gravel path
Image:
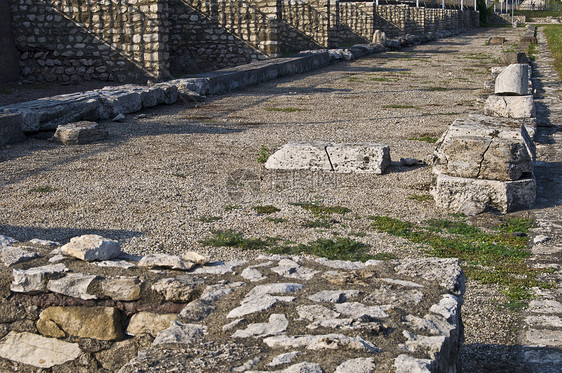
157	182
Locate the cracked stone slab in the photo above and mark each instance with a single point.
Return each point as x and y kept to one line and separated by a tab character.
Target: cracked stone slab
300	155
285	358
257	304
321	342
409	364
11	255
34	280
165	261
359	310
334	296
510	106
447	272
75	285
180	333
290	269
358	365
218	268
552	338
78	133
276	325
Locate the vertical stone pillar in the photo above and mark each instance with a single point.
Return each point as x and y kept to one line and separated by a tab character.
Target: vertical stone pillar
9	59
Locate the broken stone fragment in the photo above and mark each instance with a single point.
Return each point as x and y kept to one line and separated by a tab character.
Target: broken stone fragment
510	106
11	255
321	342
122	288
257	304
513	80
165	261
77	285
445	271
409	364
7	241
87	322
91	247
175	290
79	133
181	333
149	322
37	351
276	325
358	365
195	258
300	155
34	280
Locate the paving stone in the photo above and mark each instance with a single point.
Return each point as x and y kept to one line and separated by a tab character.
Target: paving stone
78	133
34	280
11	255
448	307
117	263
257	304
385	295
409	364
88	322
544	321
92	247
75	285
285	358
402	283
196	310
316	313
304	367
181	333
165	261
175	290
232	324
247	365
300	155
218	268
552	338
277	325
150	322
122	288
321	342
419	343
252	274
359	158
545	306
430	324
334	296
340	264
358	365
513	80
276	288
359	310
36	350
212	293
290	269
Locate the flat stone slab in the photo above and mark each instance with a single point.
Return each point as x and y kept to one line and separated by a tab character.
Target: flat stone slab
326	156
484	147
510	106
79	133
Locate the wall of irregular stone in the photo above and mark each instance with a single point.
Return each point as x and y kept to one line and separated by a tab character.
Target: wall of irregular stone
9	65
129	40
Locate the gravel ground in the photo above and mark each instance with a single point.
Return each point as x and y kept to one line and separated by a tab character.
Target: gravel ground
154	184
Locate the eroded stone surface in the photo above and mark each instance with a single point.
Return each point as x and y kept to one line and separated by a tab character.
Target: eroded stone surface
91	247
513	80
79	133
510	106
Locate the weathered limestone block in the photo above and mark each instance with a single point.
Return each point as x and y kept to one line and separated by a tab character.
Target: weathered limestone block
165	261
181	333
175	290
87	322
300	155
118	100
318	155
79	133
122	288
11	129
473	196
36	350
508	58
496	40
510	106
361	158
76	285
513	80
149	322
484	148
11	255
91	247
34	280
447	272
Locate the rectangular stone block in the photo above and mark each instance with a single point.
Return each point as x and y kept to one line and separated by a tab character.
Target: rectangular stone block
11	129
300	155
473	196
484	147
510	106
360	158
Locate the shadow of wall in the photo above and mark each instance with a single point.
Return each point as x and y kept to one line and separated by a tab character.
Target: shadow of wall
9	63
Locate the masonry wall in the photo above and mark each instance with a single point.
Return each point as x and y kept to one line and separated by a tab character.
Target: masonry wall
9	63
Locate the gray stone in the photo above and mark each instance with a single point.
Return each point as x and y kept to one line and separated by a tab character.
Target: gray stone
430	324
11	129
149	322
316	313
231	324
119	118
38	351
91	247
358	365
79	133
196	310
285	358
165	261
180	333
247	365
74	285
334	296
304	367
290	269
257	304
547	306
404	283
117	263
118	100
277	325
7	241
360	311
195	258
418	343
340	264
447	272
508	58
359	158
252	274
385	295
510	106
218	268
513	80
277	288
544	321
11	255
409	364
541	238
34	280
175	290
496	40
551	338
40	242
449	308
321	342
300	155
456	193
212	293
122	288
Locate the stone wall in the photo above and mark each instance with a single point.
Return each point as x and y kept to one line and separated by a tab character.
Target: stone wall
9	66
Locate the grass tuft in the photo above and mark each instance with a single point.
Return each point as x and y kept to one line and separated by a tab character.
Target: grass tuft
284	109
428	139
267	209
319	209
42	189
263	154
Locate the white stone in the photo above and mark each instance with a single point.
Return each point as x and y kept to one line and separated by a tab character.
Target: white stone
316	313
175	290
181	333
33	280
40	242
36	350
300	155
149	322
195	258
545	306
430	324
513	80
418	343
359	158
215	292
78	133
91	247
117	263
358	365
321	342
340	264
359	310
544	321
402	283
252	274
165	261
445	271
276	288
122	288
541	238
232	324
74	285
7	241
218	268
290	269
334	296
551	338
510	106
285	358
409	364
276	325
257	304
448	307
11	255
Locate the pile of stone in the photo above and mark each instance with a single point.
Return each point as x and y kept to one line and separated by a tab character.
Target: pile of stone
87	306
486	161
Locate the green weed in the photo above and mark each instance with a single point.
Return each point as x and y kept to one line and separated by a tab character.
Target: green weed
263	154
420	197
42	189
209	218
340	249
232	207
181	176
384	256
284	109
437	89
320	209
396	106
276	220
428	139
267	209
231	238
318	223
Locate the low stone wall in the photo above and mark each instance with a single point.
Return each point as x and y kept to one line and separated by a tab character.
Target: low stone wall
87	306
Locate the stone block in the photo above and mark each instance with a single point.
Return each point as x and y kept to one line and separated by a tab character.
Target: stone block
473	196
91	247
510	106
300	155
508	58
496	40
122	288
79	133
87	322
151	323
119	100
34	280
11	129
513	80
482	147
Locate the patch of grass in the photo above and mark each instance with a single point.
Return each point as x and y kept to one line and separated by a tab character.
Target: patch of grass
263	154
284	109
396	106
374	79
437	89
478	56
384	256
538	13
232	207
42	189
352	79
276	220
181	176
421	197
5	91
491	258
357	234
343	248
428	139
320	209
267	209
231	238
531	51
318	223
209	218
554	38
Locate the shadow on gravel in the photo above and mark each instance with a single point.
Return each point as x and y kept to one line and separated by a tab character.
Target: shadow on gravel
62	235
488	358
